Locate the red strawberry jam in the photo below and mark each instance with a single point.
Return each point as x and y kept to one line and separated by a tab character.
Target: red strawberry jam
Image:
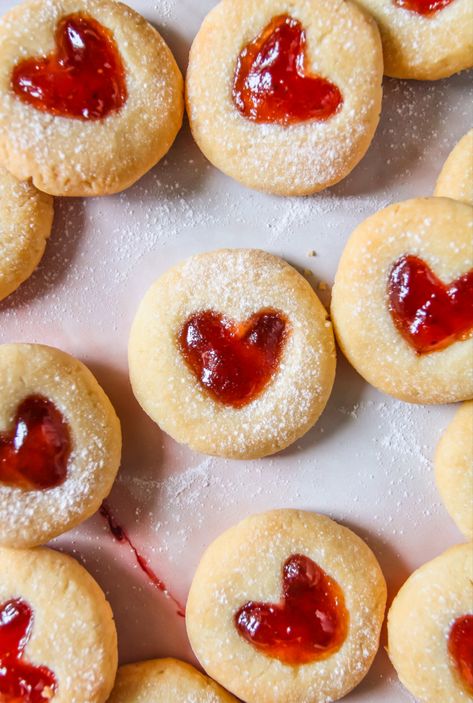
83	78
460	647
310	623
423	7
272	83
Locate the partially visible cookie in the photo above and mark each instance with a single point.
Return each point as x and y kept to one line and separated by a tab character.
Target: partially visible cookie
287	607
402	300
26	217
430	629
454	468
90	95
165	681
57	636
60	444
456	177
424	39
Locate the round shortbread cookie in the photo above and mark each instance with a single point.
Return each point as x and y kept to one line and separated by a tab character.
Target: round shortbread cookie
243	584
421	622
454	469
342	47
60	444
398	311
57	629
456	177
84	148
165	681
420	44
26	218
275	352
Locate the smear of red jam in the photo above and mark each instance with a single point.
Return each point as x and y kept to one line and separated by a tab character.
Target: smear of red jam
83	78
460	647
309	624
273	83
423	7
428	313
20	681
121	536
34	455
233	361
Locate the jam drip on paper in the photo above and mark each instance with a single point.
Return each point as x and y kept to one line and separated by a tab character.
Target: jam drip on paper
428	313
423	7
21	681
34	455
121	535
83	78
234	362
309	624
460	647
272	82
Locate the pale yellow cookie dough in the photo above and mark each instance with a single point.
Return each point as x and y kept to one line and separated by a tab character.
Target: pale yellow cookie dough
419	624
439	231
30	517
73	632
456	177
454	469
343	46
66	156
26	217
237	283
166	681
424	47
245	564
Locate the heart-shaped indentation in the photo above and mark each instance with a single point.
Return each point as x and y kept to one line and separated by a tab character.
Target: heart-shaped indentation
429	314
272	83
423	7
309	624
19	680
233	362
460	647
83	78
34	455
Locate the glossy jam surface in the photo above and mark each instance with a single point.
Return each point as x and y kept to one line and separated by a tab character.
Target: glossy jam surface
34	455
272	83
423	7
460	647
83	78
428	313
20	681
309	624
233	361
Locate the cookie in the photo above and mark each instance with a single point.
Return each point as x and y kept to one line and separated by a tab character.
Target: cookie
287	607
57	636
401	303
60	444
165	681
433	613
424	39
231	352
90	95
454	469
456	177
26	218
285	98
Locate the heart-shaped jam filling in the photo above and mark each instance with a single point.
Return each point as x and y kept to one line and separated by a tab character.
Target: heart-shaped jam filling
423	7
233	362
460	647
272	83
20	681
429	314
34	455
83	78
309	624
